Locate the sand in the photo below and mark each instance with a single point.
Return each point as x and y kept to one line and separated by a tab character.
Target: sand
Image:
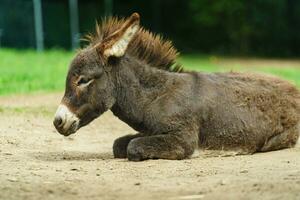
38	163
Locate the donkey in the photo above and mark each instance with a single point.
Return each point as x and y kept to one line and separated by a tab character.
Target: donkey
134	73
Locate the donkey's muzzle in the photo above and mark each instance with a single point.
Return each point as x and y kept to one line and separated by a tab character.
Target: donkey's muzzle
65	121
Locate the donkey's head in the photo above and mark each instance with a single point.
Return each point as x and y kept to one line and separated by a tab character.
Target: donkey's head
90	89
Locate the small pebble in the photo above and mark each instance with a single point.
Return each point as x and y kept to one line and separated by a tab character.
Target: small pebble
222	182
50	191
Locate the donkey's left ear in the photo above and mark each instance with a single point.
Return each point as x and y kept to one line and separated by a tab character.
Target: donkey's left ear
117	43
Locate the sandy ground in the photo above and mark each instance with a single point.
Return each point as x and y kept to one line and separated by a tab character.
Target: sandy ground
38	163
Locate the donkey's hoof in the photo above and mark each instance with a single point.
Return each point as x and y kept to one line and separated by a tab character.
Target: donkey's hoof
120	148
135	153
134	156
118	153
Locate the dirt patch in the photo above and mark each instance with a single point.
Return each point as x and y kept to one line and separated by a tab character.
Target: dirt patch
38	163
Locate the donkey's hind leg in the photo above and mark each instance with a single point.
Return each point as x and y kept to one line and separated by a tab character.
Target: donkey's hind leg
120	145
286	139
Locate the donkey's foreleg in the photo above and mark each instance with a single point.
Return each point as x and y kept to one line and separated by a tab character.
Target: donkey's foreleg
165	146
120	145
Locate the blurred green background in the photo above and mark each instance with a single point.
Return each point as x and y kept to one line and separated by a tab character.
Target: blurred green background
25	71
258	36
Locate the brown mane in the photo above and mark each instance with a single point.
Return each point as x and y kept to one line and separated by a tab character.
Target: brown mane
146	46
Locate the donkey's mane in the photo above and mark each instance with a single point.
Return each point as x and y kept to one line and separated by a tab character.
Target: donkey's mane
146	46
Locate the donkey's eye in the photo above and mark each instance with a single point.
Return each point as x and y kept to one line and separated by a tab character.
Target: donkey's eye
84	81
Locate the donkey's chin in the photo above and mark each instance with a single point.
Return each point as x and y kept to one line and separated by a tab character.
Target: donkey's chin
66	131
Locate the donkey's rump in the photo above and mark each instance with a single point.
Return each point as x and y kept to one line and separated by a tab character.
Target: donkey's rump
250	113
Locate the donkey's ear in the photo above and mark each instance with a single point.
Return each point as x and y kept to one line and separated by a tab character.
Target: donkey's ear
117	43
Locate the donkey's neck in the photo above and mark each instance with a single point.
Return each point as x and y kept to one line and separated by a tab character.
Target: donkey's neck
137	86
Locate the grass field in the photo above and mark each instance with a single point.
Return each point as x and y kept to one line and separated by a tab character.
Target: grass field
25	71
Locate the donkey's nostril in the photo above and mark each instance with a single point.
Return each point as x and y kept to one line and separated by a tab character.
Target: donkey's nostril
58	122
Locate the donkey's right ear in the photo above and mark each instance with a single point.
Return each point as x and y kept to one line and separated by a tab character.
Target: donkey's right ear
117	43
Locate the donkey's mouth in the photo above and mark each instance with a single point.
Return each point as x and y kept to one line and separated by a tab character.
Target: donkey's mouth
73	128
70	130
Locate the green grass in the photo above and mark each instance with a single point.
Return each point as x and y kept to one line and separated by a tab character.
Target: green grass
285	69
25	71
